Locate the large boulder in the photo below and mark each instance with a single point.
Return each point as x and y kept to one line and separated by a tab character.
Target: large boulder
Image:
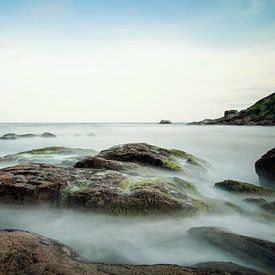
23	252
265	168
257	251
31	183
146	154
117	193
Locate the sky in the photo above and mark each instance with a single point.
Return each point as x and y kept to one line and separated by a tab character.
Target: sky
133	60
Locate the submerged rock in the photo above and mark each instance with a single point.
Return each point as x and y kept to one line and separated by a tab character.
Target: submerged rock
47	134
31	184
24	252
265	168
242	187
259	252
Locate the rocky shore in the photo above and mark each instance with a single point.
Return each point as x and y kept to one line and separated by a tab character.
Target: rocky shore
129	179
24	252
261	113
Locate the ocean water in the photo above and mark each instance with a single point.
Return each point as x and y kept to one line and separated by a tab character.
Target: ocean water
231	151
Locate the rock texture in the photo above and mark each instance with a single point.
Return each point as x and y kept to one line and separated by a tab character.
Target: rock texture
265	168
243	187
261	113
23	252
113	192
147	154
101	163
31	184
260	252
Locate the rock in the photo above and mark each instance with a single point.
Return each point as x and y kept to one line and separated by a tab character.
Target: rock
257	251
268	207
31	184
66	156
242	187
24	252
91	134
28	253
265	168
27	135
14	136
101	163
165	121
113	192
224	268
146	154
9	136
48	135
229	114
261	113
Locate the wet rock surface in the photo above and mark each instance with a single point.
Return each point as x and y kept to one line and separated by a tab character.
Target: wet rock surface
260	252
117	193
147	154
243	188
101	163
265	168
23	252
31	183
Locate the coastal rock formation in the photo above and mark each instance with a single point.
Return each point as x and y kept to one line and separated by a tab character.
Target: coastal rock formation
260	252
31	184
165	121
146	154
113	192
112	181
24	252
265	168
261	113
242	187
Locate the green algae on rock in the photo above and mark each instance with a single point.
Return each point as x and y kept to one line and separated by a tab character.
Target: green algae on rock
147	154
243	187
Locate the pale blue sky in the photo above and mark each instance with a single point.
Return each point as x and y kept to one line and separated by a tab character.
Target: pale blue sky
122	60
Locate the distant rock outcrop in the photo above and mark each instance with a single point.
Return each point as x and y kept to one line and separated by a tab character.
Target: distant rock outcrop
47	134
261	113
165	121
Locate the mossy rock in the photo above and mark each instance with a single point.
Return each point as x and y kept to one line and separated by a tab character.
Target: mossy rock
150	155
56	150
243	187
